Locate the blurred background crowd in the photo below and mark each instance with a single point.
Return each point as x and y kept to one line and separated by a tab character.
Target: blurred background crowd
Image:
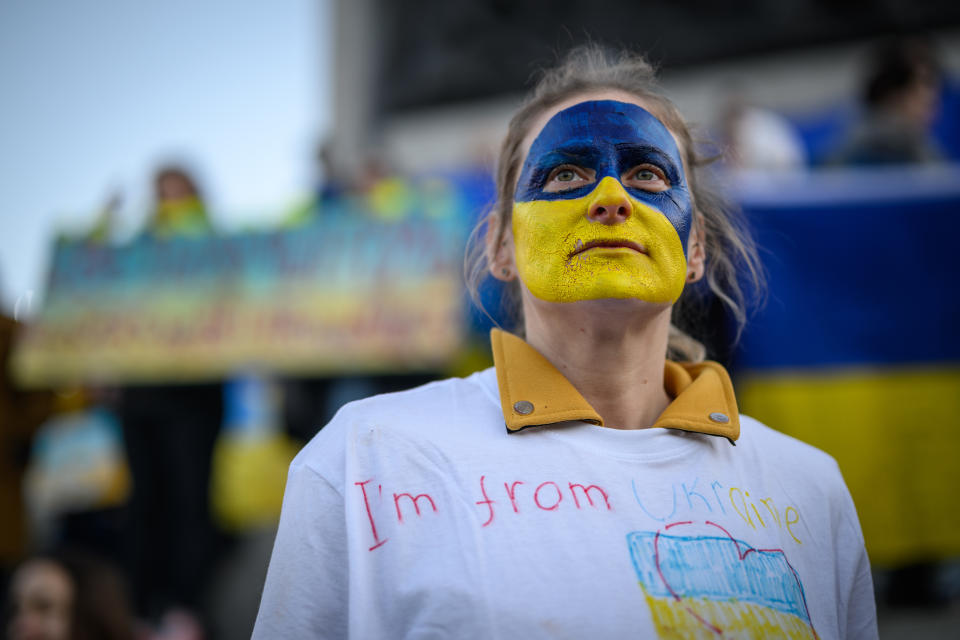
218	224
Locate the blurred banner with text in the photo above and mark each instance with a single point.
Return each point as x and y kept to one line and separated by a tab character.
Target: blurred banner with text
345	293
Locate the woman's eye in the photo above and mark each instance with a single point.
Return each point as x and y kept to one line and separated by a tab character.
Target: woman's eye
567	177
648	178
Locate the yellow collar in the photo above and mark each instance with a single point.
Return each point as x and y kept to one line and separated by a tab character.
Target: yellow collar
534	393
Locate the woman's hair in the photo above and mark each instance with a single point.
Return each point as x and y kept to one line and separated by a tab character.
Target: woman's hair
730	251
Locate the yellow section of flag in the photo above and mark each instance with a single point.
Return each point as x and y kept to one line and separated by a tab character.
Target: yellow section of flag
895	434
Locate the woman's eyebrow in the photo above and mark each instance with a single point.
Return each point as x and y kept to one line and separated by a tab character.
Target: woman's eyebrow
568	153
635	154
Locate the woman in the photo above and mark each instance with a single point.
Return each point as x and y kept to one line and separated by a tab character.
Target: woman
613	504
67	596
169	432
901	100
179	208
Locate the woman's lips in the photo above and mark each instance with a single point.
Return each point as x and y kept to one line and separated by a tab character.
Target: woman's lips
613	244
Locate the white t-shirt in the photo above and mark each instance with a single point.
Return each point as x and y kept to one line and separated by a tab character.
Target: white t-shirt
416	515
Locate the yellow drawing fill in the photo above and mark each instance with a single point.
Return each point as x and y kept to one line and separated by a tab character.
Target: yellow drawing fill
696	618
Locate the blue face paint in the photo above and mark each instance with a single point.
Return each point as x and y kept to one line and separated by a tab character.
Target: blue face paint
610	138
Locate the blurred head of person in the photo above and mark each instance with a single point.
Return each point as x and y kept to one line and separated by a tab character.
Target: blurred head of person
903	80
174	183
179	209
42	595
67	596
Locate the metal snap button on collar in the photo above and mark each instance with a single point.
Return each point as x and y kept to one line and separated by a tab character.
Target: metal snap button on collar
719	417
523	407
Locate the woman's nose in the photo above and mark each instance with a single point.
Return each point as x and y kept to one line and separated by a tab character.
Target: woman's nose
610	206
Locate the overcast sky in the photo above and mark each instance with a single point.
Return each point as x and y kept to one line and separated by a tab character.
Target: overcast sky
94	94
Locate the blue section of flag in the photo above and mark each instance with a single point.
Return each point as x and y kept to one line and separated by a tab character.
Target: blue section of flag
716	568
855	278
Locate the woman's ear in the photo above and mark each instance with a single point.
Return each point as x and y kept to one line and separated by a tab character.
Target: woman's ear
500	250
696	253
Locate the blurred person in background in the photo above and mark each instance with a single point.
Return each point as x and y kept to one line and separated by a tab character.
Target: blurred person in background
179	209
329	189
900	99
456	509
67	596
21	414
330	185
756	137
77	482
900	96
169	432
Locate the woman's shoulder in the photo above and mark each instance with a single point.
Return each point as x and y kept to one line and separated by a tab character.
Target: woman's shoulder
811	475
443	408
785	450
439	401
432	400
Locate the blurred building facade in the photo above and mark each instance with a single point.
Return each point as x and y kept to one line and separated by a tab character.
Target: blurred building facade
796	58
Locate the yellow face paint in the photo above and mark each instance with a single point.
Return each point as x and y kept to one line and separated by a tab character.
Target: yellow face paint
557	263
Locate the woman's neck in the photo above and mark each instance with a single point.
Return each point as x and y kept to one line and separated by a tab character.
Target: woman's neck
611	350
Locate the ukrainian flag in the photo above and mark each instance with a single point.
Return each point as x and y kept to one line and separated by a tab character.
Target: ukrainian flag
717	586
857	350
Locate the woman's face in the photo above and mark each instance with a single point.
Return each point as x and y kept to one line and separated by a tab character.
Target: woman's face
173	186
42	595
602	208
